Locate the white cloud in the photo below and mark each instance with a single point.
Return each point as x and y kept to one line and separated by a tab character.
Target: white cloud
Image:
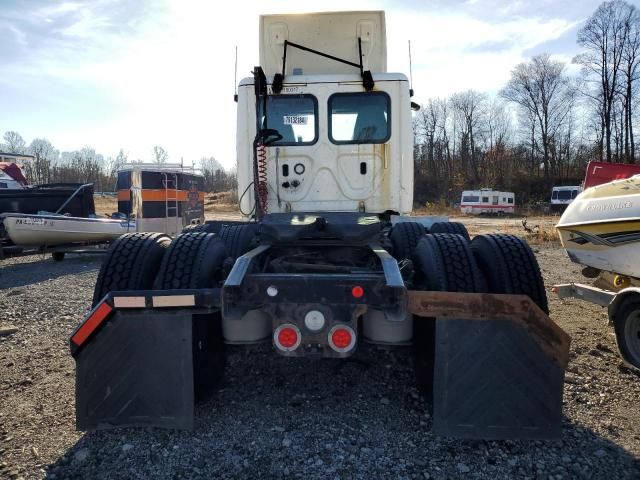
455	52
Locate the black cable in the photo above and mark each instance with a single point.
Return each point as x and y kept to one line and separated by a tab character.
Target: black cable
240	202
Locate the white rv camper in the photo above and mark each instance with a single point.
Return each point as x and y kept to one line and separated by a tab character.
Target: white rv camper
487	201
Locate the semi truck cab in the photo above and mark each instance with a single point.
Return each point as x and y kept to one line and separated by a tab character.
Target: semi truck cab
344	122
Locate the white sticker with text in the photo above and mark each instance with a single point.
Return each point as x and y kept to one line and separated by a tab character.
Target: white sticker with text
294	119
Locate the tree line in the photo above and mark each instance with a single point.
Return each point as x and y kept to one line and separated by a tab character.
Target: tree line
50	165
544	125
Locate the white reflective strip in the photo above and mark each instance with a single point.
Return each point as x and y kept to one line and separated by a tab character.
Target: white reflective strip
128	302
174	301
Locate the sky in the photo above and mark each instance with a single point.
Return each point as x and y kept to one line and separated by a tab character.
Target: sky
122	74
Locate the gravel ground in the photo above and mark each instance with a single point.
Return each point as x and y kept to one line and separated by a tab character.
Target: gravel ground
280	418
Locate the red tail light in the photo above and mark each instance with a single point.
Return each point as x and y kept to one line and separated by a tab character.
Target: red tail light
287	337
342	338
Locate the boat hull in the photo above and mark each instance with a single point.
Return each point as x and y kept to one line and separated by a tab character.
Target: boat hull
601	227
32	230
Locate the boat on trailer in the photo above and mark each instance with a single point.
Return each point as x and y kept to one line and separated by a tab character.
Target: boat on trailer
601	228
30	230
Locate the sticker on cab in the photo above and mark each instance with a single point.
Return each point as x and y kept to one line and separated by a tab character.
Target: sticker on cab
294	119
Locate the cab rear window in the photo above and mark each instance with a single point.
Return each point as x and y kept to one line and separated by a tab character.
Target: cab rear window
294	117
359	118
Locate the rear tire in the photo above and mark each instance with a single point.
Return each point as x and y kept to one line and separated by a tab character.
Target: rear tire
442	262
510	266
450	227
627	327
194	260
404	238
131	263
238	238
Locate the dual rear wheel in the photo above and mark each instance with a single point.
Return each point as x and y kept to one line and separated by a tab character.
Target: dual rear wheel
488	264
194	259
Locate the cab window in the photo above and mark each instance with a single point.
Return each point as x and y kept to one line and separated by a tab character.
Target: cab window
358	118
294	117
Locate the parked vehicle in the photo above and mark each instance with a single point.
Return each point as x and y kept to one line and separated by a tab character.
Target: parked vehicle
487	201
327	259
562	196
162	198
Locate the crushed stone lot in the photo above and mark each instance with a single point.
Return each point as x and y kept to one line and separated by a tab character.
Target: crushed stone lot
275	417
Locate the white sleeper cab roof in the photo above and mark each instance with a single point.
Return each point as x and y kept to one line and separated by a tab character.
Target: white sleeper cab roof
334	33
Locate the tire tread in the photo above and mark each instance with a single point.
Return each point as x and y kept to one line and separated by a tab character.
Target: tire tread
510	267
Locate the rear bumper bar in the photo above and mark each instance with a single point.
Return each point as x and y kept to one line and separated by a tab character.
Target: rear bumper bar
498	366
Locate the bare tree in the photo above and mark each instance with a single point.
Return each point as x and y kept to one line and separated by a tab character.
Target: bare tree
604	38
216	179
39	170
541	89
14	143
113	165
470	108
495	136
160	154
631	73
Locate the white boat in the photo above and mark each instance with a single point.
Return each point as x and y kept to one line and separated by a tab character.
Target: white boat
601	227
48	230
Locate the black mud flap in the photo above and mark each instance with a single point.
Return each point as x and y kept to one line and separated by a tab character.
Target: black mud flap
493	381
137	369
499	365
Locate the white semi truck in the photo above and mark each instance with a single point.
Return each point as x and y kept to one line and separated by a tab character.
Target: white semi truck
319	266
